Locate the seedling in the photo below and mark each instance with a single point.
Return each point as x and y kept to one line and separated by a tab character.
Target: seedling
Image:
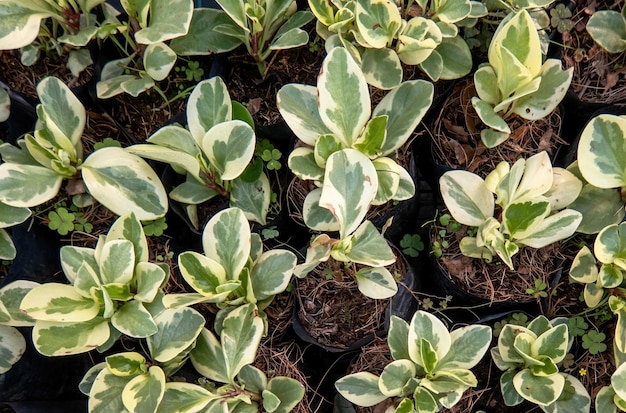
539	290
594	342
65	221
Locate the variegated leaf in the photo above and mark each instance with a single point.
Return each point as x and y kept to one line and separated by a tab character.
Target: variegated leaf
203	274
566	188
226	240
11	297
553	343
366	246
209	104
348	202
43	184
584	268
376	282
12	346
58	339
395	376
177	330
134	320
124	183
229	146
20	22
610	244
344	103
128	227
117	262
520	218
361	389
398	337
467	197
601	151
252	197
144	392
106	393
158	60
556	227
288	391
469	345
240	336
149	278
272	272
64	112
381	68
539	389
425	326
405	106
59	303
168	19
298	106
303	164
126	364
180	397
208	359
315	216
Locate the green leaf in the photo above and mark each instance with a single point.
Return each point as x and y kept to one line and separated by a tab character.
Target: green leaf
344	103
360	389
455	56
11	297
202	273
64	112
552	343
124	183
520	218
367	246
288	391
584	268
208	359
302	162
158	60
117	262
199	40
252	197
126	364
397	339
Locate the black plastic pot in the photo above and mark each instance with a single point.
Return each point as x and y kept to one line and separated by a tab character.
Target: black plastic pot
22	116
402	305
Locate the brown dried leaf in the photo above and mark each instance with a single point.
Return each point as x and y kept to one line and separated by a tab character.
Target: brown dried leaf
254	105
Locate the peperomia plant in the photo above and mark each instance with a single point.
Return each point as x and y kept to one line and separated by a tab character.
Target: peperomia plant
24	26
381	39
516	81
529	194
234	269
113	290
431	367
33	173
264	26
215	153
226	361
359	241
336	116
608	29
610	249
529	357
12	343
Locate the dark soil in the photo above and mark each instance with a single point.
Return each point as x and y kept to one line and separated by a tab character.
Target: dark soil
599	76
457	143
